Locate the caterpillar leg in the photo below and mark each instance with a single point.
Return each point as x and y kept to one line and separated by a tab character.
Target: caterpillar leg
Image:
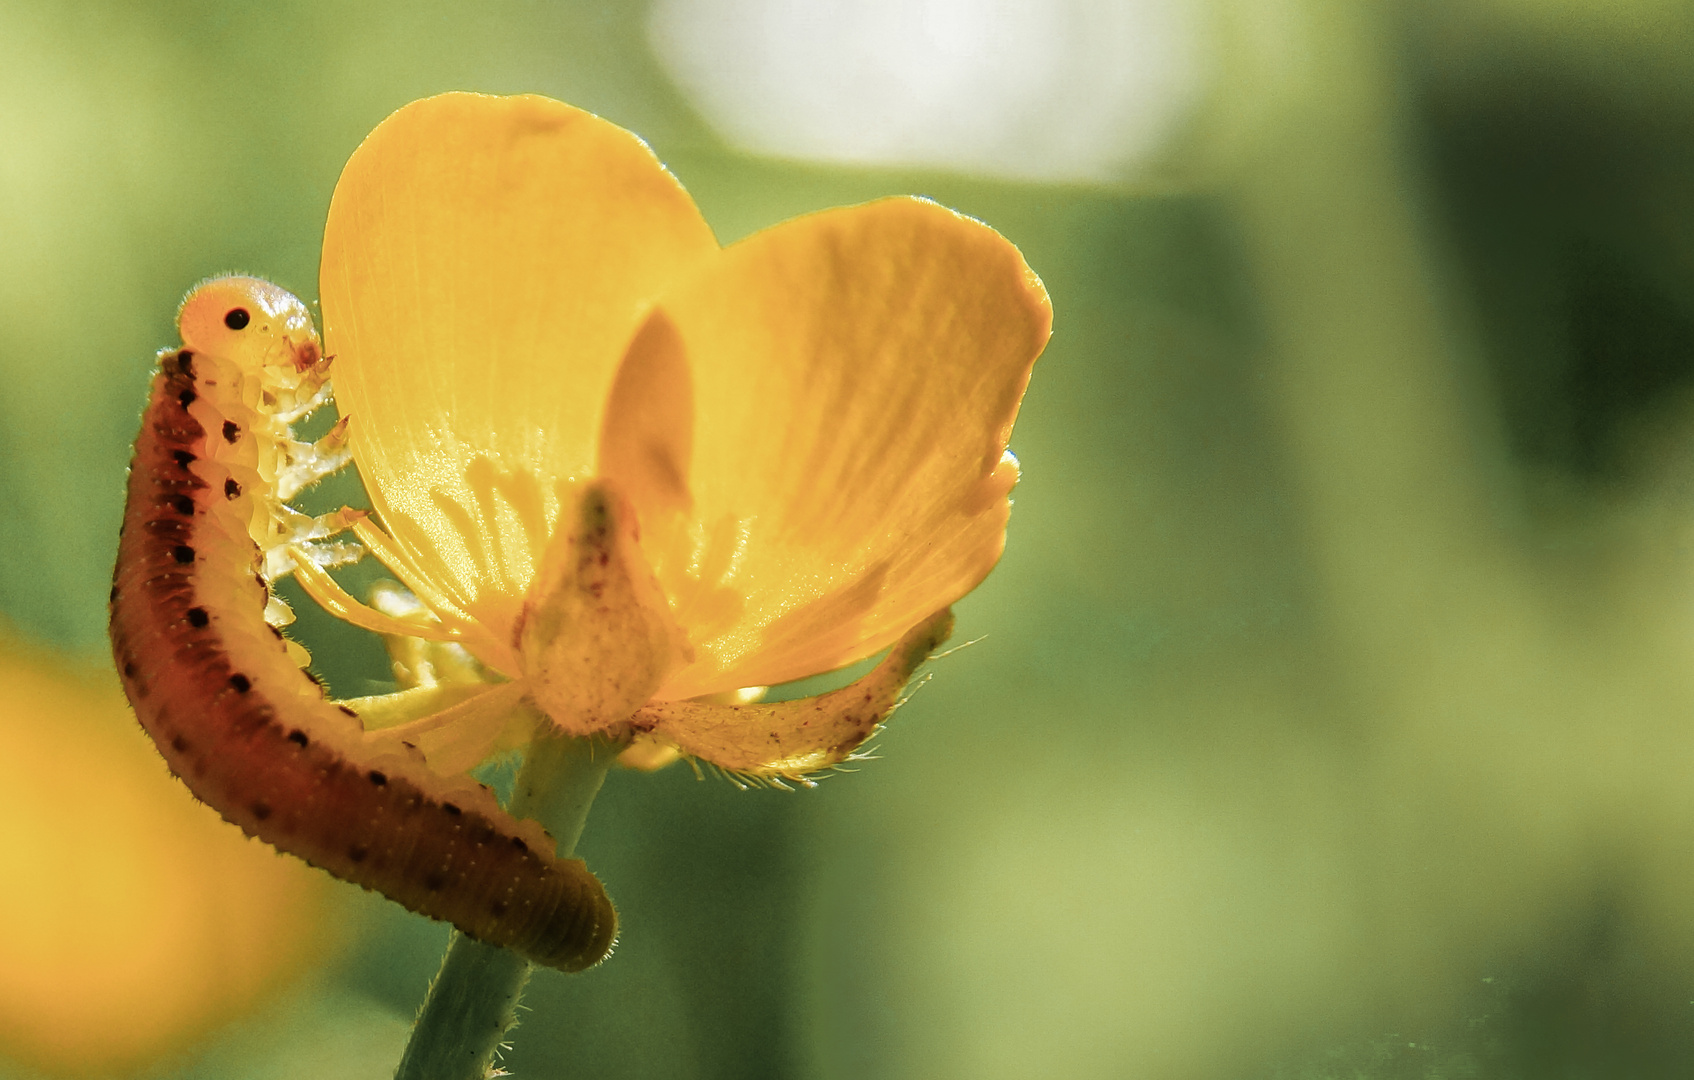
302	533
307	463
319	397
306	550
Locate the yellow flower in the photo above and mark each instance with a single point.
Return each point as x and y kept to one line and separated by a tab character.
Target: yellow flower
625	467
132	920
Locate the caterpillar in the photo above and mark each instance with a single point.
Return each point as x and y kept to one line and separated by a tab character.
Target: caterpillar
196	640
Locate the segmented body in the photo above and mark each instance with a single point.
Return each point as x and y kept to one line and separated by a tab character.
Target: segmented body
230	708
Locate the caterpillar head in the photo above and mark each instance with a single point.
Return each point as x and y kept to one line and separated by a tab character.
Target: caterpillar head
262	329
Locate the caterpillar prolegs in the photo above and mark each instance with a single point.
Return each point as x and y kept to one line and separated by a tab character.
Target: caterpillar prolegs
222	692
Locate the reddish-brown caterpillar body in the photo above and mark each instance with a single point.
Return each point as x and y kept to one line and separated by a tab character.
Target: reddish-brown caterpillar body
220	691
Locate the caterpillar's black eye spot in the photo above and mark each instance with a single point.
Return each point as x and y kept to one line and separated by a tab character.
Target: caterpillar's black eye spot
237	318
519	844
261	810
183	458
179	744
451	809
187	398
182	504
182	553
232	490
232	431
114	597
358	852
298	738
241	683
378	779
197	617
130	669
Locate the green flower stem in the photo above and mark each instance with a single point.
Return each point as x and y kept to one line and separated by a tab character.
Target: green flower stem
471	1005
473	1001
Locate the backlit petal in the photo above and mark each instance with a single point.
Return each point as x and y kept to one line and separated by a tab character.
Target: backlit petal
852	377
485	263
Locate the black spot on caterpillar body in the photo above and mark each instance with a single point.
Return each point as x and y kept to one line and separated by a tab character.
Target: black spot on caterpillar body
231	711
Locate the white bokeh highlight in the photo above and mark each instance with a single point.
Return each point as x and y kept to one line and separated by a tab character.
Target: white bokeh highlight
1040	90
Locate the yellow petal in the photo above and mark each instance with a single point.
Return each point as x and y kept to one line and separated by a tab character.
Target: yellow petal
852	378
485	263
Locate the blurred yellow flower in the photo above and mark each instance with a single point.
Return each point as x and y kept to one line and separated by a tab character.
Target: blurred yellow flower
626	467
132	919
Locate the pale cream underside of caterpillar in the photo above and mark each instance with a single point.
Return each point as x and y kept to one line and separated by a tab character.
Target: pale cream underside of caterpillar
197	641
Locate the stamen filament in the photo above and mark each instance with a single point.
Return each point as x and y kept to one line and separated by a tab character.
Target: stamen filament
339	602
380	544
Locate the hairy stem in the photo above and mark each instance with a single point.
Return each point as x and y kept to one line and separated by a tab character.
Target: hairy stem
473	1001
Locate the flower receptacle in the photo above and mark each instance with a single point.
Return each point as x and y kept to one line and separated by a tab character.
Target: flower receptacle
596	637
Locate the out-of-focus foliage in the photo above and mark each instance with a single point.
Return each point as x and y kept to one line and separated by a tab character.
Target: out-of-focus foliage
1332	712
131	918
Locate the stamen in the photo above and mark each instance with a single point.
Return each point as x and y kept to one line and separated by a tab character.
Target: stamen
338	602
391	555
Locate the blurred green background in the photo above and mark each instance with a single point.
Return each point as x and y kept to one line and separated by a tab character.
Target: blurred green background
1332	714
